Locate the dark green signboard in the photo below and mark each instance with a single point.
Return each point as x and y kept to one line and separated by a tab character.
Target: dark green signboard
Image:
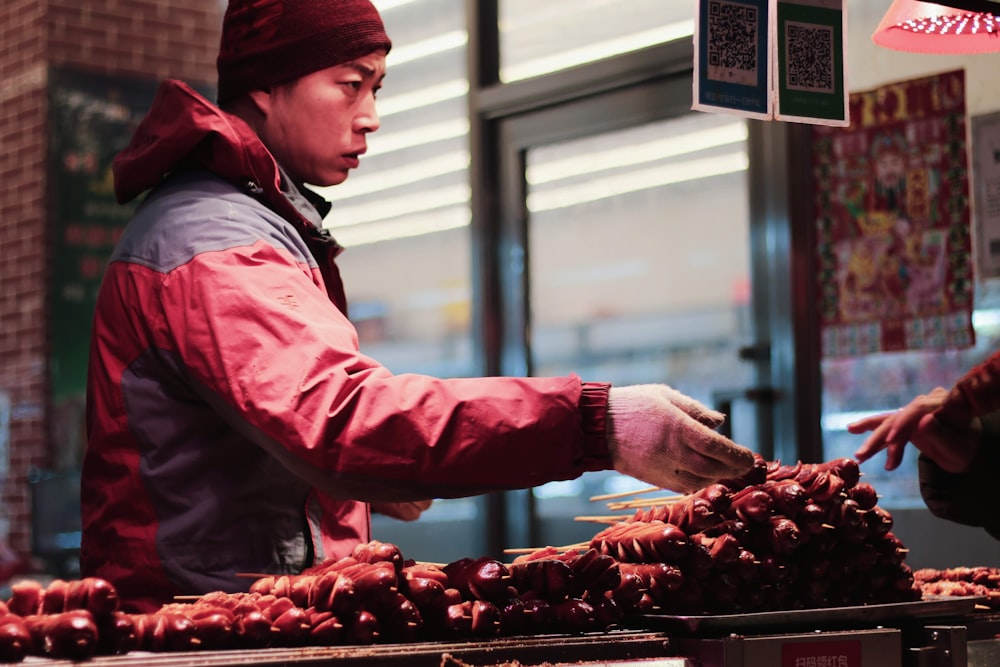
91	119
810	61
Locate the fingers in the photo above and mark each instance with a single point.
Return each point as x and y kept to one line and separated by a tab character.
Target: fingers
697	470
894	454
697	457
684	481
712	455
892	430
909	424
875	443
404	511
868	423
694	409
672	477
662	437
885	436
909	417
872	445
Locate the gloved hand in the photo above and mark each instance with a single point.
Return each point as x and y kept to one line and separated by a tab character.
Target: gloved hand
408	511
664	438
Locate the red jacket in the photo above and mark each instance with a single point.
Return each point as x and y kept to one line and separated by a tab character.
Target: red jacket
233	423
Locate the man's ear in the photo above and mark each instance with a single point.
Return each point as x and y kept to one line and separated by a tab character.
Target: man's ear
261	101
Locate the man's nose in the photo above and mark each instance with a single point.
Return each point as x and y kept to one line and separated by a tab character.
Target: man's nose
368	120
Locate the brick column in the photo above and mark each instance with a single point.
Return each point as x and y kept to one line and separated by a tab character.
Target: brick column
134	39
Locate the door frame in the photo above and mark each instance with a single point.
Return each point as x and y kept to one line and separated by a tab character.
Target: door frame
651	84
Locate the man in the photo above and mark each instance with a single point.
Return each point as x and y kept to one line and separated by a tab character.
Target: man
233	423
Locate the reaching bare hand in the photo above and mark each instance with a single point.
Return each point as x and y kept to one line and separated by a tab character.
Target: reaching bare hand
951	444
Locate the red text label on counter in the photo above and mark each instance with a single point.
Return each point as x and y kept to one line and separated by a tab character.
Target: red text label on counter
821	654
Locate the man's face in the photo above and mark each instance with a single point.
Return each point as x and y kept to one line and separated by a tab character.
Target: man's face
317	126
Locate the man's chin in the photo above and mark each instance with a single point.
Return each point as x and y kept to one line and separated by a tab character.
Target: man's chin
334	179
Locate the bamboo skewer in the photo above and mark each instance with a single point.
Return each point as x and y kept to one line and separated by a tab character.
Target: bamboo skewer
531	550
602	519
646	502
624	494
578	545
261	575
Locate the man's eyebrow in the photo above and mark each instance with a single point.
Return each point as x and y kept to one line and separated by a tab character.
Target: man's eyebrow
361	68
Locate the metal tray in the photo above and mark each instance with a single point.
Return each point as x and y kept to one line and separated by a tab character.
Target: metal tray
812	619
617	645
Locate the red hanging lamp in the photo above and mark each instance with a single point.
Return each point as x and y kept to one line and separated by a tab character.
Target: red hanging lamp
957	26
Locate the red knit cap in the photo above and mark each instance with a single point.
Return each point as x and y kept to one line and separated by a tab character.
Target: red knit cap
265	42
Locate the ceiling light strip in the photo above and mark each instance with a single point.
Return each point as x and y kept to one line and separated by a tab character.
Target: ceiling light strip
592	52
441	220
638	153
634	181
425	97
384	180
382	144
386	5
433	46
404	205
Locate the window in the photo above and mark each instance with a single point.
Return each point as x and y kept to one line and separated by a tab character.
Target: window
857	386
542	37
639	265
403	217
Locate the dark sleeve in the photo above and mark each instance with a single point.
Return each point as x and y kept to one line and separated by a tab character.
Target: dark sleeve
977	393
968	498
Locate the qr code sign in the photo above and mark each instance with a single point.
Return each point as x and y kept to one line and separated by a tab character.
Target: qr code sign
732	42
809	57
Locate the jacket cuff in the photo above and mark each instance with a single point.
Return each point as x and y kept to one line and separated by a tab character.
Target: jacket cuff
594	418
965	498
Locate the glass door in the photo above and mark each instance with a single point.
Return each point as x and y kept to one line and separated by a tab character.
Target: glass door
636	259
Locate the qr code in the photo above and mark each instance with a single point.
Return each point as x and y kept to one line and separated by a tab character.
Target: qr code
809	57
732	42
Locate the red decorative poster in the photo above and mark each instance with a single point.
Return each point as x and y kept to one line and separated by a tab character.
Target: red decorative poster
894	221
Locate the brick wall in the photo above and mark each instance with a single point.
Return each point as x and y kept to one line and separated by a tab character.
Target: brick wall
135	39
22	237
146	38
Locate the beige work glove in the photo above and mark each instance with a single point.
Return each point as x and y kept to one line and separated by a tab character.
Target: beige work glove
664	438
404	511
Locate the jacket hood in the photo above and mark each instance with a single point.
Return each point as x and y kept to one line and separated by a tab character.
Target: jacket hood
182	128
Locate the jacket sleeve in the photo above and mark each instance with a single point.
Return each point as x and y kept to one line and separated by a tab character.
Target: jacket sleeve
976	393
258	334
969	498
